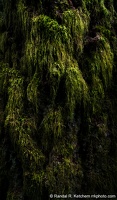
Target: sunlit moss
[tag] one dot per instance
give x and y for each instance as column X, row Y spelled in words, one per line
column 100, row 69
column 21, row 136
column 32, row 91
column 77, row 24
column 52, row 126
column 76, row 87
column 54, row 92
column 54, row 57
column 103, row 62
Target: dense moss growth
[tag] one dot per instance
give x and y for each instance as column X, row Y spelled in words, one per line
column 57, row 98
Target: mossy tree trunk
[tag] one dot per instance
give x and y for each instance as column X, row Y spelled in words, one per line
column 57, row 98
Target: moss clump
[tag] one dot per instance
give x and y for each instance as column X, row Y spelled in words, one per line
column 52, row 124
column 76, row 88
column 100, row 66
column 56, row 77
column 77, row 23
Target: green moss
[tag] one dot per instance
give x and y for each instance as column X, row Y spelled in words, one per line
column 51, row 127
column 50, row 27
column 77, row 25
column 61, row 167
column 54, row 95
column 100, row 66
column 76, row 88
column 103, row 60
column 63, row 171
column 32, row 91
column 54, row 59
column 100, row 11
column 23, row 16
column 21, row 136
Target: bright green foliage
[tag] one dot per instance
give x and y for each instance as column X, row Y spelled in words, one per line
column 54, row 58
column 57, row 117
column 76, row 88
column 32, row 91
column 77, row 23
column 100, row 66
column 52, row 124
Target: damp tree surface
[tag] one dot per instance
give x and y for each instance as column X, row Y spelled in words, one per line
column 58, row 98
